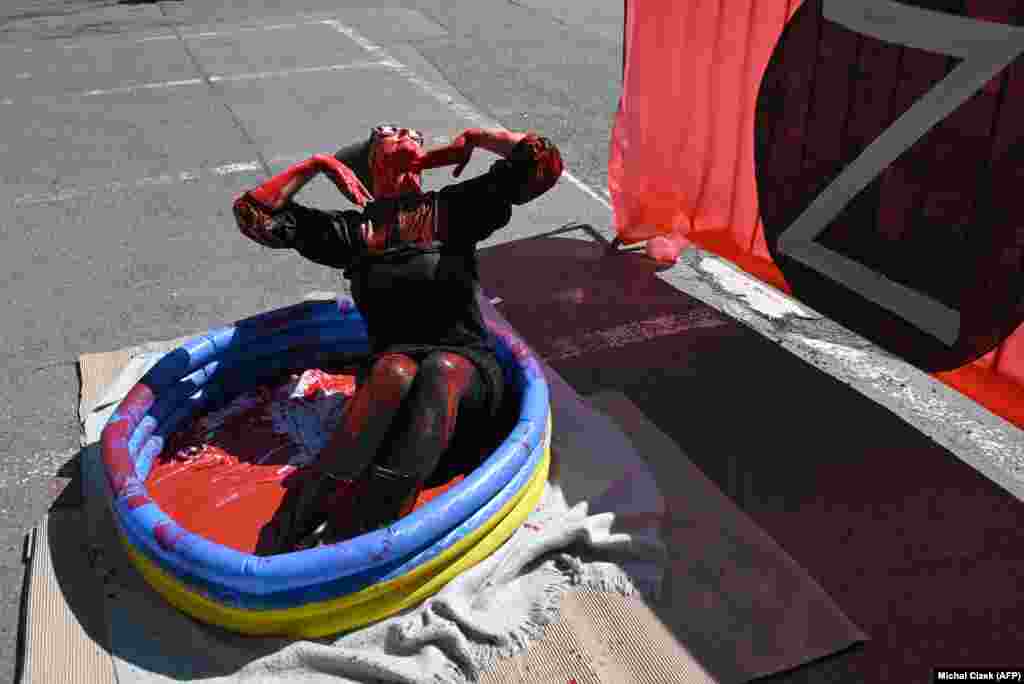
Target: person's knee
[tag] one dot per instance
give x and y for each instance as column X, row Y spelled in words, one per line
column 448, row 371
column 392, row 377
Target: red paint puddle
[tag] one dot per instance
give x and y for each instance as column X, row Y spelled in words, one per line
column 222, row 475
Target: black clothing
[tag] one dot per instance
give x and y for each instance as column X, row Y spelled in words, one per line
column 419, row 298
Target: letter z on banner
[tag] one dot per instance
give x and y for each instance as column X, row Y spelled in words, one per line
column 945, row 288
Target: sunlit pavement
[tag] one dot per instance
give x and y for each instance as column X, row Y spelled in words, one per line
column 127, row 129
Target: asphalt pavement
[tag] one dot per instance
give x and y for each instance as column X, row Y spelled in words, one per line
column 127, row 128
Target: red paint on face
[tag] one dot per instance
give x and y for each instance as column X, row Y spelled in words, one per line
column 390, row 160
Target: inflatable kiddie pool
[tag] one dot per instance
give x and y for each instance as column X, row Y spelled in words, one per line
column 332, row 588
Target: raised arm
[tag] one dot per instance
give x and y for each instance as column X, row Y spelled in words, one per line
column 470, row 211
column 275, row 193
column 267, row 214
column 458, row 152
column 496, row 140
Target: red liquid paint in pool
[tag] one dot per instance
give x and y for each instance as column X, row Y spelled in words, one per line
column 221, row 476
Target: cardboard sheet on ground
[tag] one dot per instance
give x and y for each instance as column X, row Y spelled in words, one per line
column 753, row 632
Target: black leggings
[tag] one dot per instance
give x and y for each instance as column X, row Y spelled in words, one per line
column 421, row 432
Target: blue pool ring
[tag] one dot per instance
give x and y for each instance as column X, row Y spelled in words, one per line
column 193, row 378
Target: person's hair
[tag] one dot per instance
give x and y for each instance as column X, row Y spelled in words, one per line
column 357, row 157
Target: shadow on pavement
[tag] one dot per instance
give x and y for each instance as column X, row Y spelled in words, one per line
column 913, row 544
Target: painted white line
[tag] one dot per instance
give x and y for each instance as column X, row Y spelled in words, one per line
column 272, row 27
column 302, row 70
column 1004, row 450
column 755, row 294
column 465, row 111
column 66, row 194
column 241, row 167
column 139, row 86
column 160, row 85
column 204, row 35
column 385, row 60
column 153, row 38
column 629, row 333
column 22, row 76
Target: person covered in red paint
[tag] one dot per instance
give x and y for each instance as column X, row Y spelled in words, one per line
column 410, row 257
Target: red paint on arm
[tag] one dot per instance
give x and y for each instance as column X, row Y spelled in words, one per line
column 497, row 140
column 344, row 179
column 275, row 193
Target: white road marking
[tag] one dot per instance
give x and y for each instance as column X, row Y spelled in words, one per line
column 1004, row 450
column 465, row 111
column 66, row 194
column 384, row 60
column 242, row 167
column 204, row 34
column 302, row 70
column 757, row 295
column 22, row 76
column 139, row 86
column 160, row 85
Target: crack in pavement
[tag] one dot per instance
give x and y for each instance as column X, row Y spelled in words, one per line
column 219, row 93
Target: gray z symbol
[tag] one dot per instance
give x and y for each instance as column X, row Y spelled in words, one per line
column 986, row 48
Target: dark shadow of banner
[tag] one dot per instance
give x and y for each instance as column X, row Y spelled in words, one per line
column 911, row 542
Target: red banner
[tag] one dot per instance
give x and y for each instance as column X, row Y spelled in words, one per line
column 682, row 156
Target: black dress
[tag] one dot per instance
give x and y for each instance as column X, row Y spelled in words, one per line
column 420, row 298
